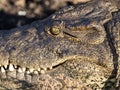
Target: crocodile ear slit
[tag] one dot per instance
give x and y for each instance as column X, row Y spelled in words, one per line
column 97, row 35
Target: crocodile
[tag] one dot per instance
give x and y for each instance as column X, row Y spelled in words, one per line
column 76, row 48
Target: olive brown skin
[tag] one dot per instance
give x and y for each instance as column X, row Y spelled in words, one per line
column 55, row 40
column 75, row 32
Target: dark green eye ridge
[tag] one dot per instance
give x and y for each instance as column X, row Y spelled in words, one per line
column 55, row 30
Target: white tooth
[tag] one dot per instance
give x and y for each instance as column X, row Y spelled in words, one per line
column 23, row 69
column 31, row 70
column 5, row 66
column 45, row 69
column 50, row 68
column 2, row 69
column 28, row 72
column 35, row 72
column 11, row 67
column 39, row 69
column 19, row 70
column 42, row 71
column 16, row 66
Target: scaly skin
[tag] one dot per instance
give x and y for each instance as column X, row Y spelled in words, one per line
column 77, row 42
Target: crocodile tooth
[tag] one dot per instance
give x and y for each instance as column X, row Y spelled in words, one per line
column 35, row 72
column 23, row 69
column 19, row 70
column 49, row 68
column 39, row 69
column 6, row 66
column 2, row 69
column 28, row 72
column 11, row 67
column 31, row 70
column 15, row 66
column 42, row 71
column 45, row 69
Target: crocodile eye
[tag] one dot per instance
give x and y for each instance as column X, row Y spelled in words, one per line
column 55, row 30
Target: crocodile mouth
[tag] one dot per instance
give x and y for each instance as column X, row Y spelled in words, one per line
column 20, row 69
column 15, row 71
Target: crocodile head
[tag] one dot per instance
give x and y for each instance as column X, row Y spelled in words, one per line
column 72, row 32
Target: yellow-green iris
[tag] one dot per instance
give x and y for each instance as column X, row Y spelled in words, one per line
column 55, row 30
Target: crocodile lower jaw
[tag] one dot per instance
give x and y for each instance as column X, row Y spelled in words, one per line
column 21, row 73
column 15, row 71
